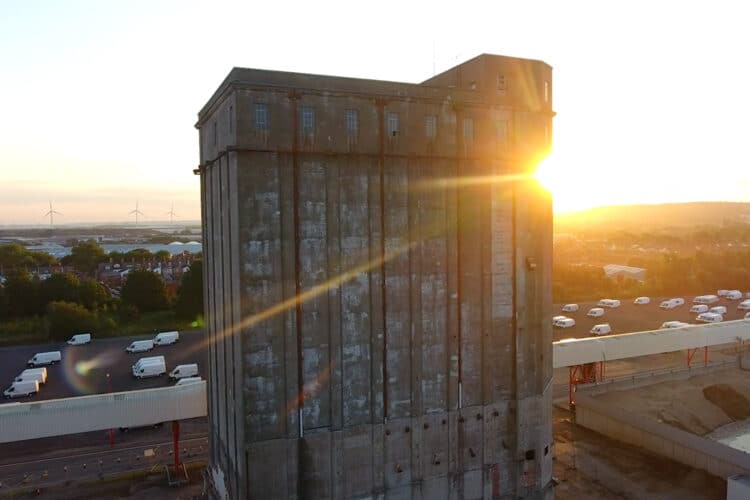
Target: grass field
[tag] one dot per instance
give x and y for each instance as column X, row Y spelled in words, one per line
column 33, row 330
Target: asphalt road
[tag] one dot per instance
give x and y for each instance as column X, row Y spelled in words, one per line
column 635, row 318
column 84, row 368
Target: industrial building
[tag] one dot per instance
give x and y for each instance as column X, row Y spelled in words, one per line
column 377, row 284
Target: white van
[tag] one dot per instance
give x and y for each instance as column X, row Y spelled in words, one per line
column 555, row 319
column 24, row 377
column 710, row 317
column 722, row 293
column 667, row 304
column 140, row 346
column 734, row 295
column 569, row 308
column 595, row 312
column 149, row 367
column 678, row 300
column 188, row 380
column 699, row 308
column 674, row 324
column 706, row 299
column 601, row 329
column 44, row 358
column 80, row 339
column 612, row 303
column 565, row 323
column 642, row 301
column 718, row 310
column 20, row 389
column 30, row 371
column 183, row 371
column 166, row 338
column 747, row 315
column 744, row 305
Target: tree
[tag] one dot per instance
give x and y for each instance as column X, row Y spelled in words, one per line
column 139, row 254
column 92, row 294
column 22, row 293
column 163, row 256
column 145, row 290
column 15, row 255
column 189, row 304
column 59, row 287
column 66, row 319
column 85, row 256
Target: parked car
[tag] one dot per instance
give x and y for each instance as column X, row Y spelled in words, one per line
column 166, row 338
column 140, row 346
column 744, row 305
column 709, row 317
column 149, row 367
column 699, row 308
column 706, row 299
column 747, row 315
column 41, row 371
column 555, row 319
column 674, row 324
column 642, row 300
column 570, row 308
column 28, row 375
column 80, row 339
column 44, row 358
column 183, row 371
column 21, row 389
column 565, row 323
column 718, row 310
column 595, row 312
column 733, row 295
column 601, row 329
column 667, row 304
column 611, row 303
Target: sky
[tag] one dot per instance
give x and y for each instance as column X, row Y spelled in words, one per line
column 99, row 99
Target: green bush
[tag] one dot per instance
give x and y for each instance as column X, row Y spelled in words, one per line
column 66, row 318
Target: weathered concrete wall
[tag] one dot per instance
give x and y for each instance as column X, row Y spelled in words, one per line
column 417, row 362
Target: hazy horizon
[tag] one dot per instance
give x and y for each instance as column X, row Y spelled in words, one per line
column 100, row 100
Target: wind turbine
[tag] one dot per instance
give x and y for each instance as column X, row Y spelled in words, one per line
column 136, row 212
column 171, row 215
column 51, row 213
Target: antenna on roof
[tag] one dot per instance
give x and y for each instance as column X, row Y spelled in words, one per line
column 171, row 214
column 51, row 213
column 136, row 212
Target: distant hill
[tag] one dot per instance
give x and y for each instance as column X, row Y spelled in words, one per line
column 652, row 217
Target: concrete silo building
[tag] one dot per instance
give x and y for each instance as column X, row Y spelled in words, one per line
column 417, row 361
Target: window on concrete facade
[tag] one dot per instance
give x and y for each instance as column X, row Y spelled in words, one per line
column 308, row 120
column 501, row 83
column 261, row 116
column 468, row 130
column 430, row 126
column 215, row 134
column 392, row 124
column 231, row 117
column 546, row 91
column 351, row 122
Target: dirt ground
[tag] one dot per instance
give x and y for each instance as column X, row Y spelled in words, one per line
column 698, row 405
column 590, row 466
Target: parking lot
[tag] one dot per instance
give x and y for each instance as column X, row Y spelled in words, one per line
column 631, row 317
column 84, row 368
